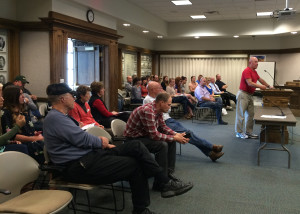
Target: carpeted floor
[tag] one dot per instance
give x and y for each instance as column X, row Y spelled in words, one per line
column 233, row 184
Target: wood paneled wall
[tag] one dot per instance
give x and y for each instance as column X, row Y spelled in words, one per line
column 62, row 27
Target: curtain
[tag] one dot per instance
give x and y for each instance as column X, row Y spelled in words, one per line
column 230, row 68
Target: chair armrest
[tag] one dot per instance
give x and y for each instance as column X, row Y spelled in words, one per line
column 5, row 191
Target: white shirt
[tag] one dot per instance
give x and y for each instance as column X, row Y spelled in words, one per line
column 149, row 99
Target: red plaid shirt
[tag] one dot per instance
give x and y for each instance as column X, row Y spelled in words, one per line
column 146, row 121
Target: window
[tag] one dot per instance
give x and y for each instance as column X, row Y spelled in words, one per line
column 84, row 62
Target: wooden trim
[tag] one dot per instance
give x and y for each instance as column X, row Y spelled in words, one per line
column 33, row 26
column 62, row 27
column 138, row 64
column 124, row 47
column 13, row 54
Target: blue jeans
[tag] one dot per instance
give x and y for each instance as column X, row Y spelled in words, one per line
column 203, row 145
column 217, row 106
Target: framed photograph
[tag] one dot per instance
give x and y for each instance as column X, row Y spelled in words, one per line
column 3, row 77
column 3, row 43
column 261, row 58
column 3, row 62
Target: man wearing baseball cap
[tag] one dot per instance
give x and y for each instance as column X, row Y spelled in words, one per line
column 21, row 81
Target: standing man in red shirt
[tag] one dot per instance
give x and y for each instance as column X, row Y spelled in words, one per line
column 244, row 105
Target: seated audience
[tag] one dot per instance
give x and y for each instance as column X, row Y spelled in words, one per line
column 165, row 82
column 14, row 106
column 99, row 109
column 144, row 87
column 82, row 111
column 224, row 95
column 156, row 78
column 147, row 125
column 223, row 87
column 199, row 78
column 128, row 86
column 188, row 107
column 206, row 100
column 210, row 150
column 92, row 160
column 193, row 85
column 181, row 89
column 6, row 140
column 136, row 91
column 217, row 97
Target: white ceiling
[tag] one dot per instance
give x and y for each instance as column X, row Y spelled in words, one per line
column 213, row 9
column 233, row 12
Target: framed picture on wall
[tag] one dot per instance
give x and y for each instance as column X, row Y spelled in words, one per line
column 261, row 58
column 3, row 43
column 3, row 77
column 3, row 62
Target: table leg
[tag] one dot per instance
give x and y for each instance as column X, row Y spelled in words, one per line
column 283, row 146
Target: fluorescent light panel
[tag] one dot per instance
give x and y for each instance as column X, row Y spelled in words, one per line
column 264, row 13
column 294, row 32
column 160, row 37
column 186, row 2
column 126, row 24
column 198, row 17
column 145, row 31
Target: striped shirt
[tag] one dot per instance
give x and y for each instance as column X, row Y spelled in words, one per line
column 145, row 121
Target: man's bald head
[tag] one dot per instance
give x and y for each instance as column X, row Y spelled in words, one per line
column 253, row 63
column 154, row 88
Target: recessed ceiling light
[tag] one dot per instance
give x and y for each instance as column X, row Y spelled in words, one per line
column 198, row 17
column 126, row 24
column 264, row 13
column 196, row 37
column 236, row 36
column 184, row 2
column 145, row 31
column 294, row 32
column 160, row 37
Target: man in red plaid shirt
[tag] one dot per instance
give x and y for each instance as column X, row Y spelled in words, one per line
column 147, row 125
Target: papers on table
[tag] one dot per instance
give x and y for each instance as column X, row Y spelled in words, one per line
column 273, row 116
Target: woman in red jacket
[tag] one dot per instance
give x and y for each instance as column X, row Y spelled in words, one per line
column 99, row 109
column 82, row 111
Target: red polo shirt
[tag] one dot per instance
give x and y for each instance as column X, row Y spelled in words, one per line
column 248, row 73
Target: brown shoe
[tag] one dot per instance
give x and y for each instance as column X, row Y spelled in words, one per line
column 217, row 148
column 215, row 155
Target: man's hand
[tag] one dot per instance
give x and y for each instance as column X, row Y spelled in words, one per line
column 38, row 137
column 179, row 137
column 33, row 97
column 114, row 112
column 20, row 120
column 102, row 127
column 105, row 143
column 263, row 87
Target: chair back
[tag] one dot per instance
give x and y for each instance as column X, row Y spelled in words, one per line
column 97, row 131
column 17, row 170
column 118, row 127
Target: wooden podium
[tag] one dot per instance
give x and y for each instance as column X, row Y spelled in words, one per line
column 295, row 96
column 280, row 99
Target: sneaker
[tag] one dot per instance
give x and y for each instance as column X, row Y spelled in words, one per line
column 173, row 177
column 145, row 211
column 228, row 108
column 224, row 112
column 173, row 188
column 252, row 136
column 241, row 135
